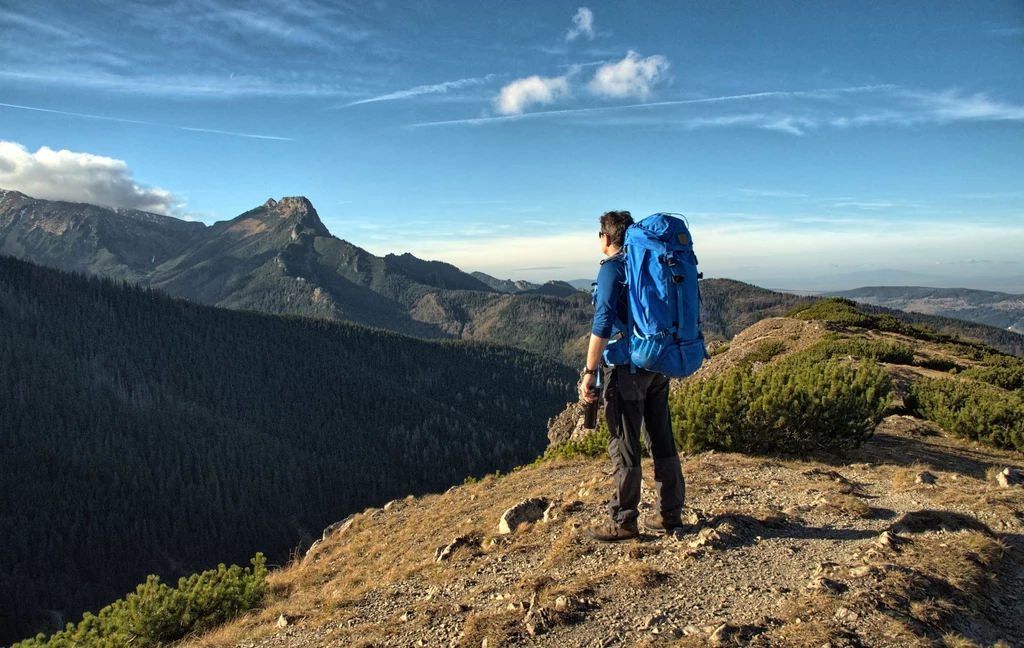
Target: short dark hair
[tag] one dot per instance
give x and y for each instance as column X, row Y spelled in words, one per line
column 614, row 224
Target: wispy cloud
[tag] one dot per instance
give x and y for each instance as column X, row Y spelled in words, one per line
column 227, row 86
column 598, row 110
column 630, row 77
column 1007, row 32
column 79, row 177
column 435, row 88
column 790, row 112
column 189, row 48
column 583, row 25
column 146, row 123
column 772, row 193
column 865, row 205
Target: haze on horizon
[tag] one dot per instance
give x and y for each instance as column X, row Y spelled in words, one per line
column 822, row 140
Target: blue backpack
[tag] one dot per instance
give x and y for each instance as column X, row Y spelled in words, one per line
column 664, row 299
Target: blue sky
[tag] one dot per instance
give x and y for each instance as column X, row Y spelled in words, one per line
column 800, row 138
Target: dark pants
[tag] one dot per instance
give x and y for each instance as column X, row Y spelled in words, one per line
column 635, row 404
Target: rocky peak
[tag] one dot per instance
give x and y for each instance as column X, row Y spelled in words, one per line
column 298, row 212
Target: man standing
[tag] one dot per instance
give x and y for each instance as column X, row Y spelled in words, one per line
column 632, row 397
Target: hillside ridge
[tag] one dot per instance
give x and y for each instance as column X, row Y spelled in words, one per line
column 908, row 540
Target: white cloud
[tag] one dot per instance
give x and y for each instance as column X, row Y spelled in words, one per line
column 532, row 90
column 584, row 25
column 630, row 77
column 78, row 177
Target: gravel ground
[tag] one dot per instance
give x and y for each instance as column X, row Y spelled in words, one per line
column 778, row 552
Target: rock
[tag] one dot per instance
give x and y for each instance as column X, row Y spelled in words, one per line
column 822, row 584
column 338, row 527
column 1009, row 477
column 284, row 621
column 706, row 537
column 861, row 571
column 846, row 615
column 445, row 552
column 311, row 552
column 392, row 504
column 888, row 539
column 530, row 510
column 691, row 630
column 720, row 635
column 551, row 512
column 535, row 622
column 405, row 617
column 925, row 478
column 562, row 603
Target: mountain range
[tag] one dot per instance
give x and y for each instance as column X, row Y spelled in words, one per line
column 279, row 258
column 969, row 274
column 1002, row 310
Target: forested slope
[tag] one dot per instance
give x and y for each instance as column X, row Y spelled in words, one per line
column 145, row 434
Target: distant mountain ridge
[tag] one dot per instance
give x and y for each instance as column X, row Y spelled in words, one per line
column 280, row 258
column 1002, row 310
column 504, row 285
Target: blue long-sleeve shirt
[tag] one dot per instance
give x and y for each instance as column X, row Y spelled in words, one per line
column 610, row 300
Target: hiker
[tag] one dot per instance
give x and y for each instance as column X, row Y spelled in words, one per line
column 632, row 396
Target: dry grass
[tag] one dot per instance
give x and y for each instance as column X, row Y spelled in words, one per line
column 637, row 575
column 904, row 479
column 499, row 629
column 846, row 505
column 953, row 640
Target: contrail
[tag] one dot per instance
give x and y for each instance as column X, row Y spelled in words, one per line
column 146, row 123
column 681, row 102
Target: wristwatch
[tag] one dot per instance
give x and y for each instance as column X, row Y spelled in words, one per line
column 587, row 371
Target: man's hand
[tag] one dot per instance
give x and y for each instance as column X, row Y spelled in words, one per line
column 588, row 393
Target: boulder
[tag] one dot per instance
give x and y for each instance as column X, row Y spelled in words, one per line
column 1009, row 477
column 445, row 552
column 530, row 510
column 339, row 527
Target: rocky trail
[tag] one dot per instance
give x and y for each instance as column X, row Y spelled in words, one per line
column 909, row 541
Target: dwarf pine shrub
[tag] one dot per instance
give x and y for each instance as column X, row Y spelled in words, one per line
column 593, row 444
column 797, row 406
column 845, row 313
column 156, row 614
column 876, row 350
column 971, row 410
column 763, row 352
column 999, row 370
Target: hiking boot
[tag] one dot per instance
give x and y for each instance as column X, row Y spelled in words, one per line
column 609, row 532
column 655, row 523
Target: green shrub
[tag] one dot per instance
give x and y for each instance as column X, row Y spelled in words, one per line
column 876, row 350
column 593, row 444
column 999, row 370
column 797, row 406
column 156, row 614
column 970, row 410
column 940, row 364
column 833, row 309
column 721, row 348
column 763, row 352
column 845, row 313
